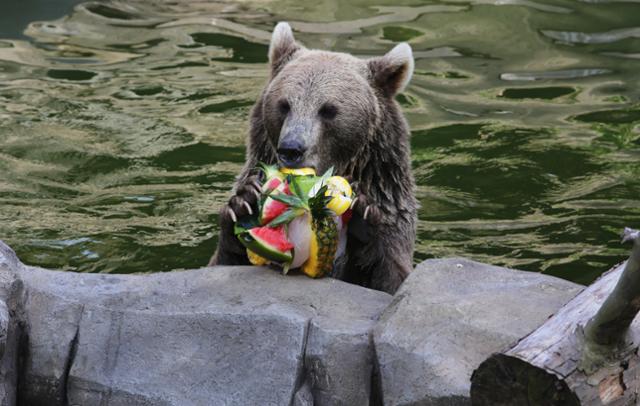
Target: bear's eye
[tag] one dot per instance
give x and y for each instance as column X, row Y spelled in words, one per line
column 328, row 111
column 284, row 107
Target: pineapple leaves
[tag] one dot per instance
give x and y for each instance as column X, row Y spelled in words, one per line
column 326, row 175
column 285, row 268
column 289, row 200
column 307, row 195
column 295, row 185
column 285, row 217
column 322, row 181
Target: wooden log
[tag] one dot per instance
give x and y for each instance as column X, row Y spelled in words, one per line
column 586, row 354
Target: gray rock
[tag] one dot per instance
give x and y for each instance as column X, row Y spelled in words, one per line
column 339, row 361
column 247, row 335
column 10, row 332
column 226, row 336
column 8, row 259
column 7, row 361
column 52, row 325
column 181, row 359
column 303, row 396
column 447, row 317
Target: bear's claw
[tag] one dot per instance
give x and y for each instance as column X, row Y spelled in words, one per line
column 353, row 202
column 232, row 214
column 248, row 208
column 369, row 212
column 245, row 200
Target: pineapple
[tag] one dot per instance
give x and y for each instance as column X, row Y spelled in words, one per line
column 324, row 244
column 324, row 230
column 256, row 259
column 324, row 239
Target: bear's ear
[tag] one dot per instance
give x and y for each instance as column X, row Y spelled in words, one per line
column 392, row 72
column 282, row 47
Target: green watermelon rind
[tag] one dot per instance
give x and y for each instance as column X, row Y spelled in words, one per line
column 261, row 248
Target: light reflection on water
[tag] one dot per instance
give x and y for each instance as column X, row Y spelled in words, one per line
column 123, row 126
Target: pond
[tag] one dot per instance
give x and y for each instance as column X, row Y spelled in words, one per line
column 122, row 125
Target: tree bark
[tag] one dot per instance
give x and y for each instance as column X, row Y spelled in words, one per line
column 586, row 354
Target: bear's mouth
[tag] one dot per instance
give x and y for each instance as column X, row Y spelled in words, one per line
column 294, row 165
column 299, row 163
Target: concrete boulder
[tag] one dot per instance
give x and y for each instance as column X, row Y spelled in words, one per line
column 248, row 335
column 227, row 335
column 447, row 317
column 10, row 332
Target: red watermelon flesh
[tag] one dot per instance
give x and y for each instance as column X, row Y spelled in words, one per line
column 271, row 184
column 276, row 237
column 272, row 208
column 269, row 243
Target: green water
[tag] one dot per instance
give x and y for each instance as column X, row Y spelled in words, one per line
column 122, row 125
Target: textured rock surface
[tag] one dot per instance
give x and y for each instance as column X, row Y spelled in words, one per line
column 448, row 316
column 209, row 336
column 246, row 335
column 10, row 331
column 52, row 326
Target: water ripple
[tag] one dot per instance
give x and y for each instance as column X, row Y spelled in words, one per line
column 553, row 75
column 124, row 126
column 594, row 38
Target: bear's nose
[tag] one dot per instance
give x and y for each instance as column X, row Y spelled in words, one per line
column 290, row 152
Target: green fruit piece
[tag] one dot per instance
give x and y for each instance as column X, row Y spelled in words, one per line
column 303, row 183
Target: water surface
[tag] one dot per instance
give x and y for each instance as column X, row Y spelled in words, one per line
column 122, row 125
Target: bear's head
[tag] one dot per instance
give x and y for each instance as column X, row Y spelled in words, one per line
column 320, row 108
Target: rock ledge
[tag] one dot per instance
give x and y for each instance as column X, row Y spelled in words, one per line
column 247, row 335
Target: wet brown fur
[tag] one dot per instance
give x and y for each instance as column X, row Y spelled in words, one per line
column 368, row 142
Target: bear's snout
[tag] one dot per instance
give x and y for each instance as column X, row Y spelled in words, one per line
column 290, row 153
column 292, row 144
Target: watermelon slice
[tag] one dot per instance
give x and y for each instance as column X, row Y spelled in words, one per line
column 269, row 243
column 272, row 208
column 271, row 184
column 273, row 177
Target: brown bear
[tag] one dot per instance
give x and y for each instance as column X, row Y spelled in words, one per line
column 321, row 109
